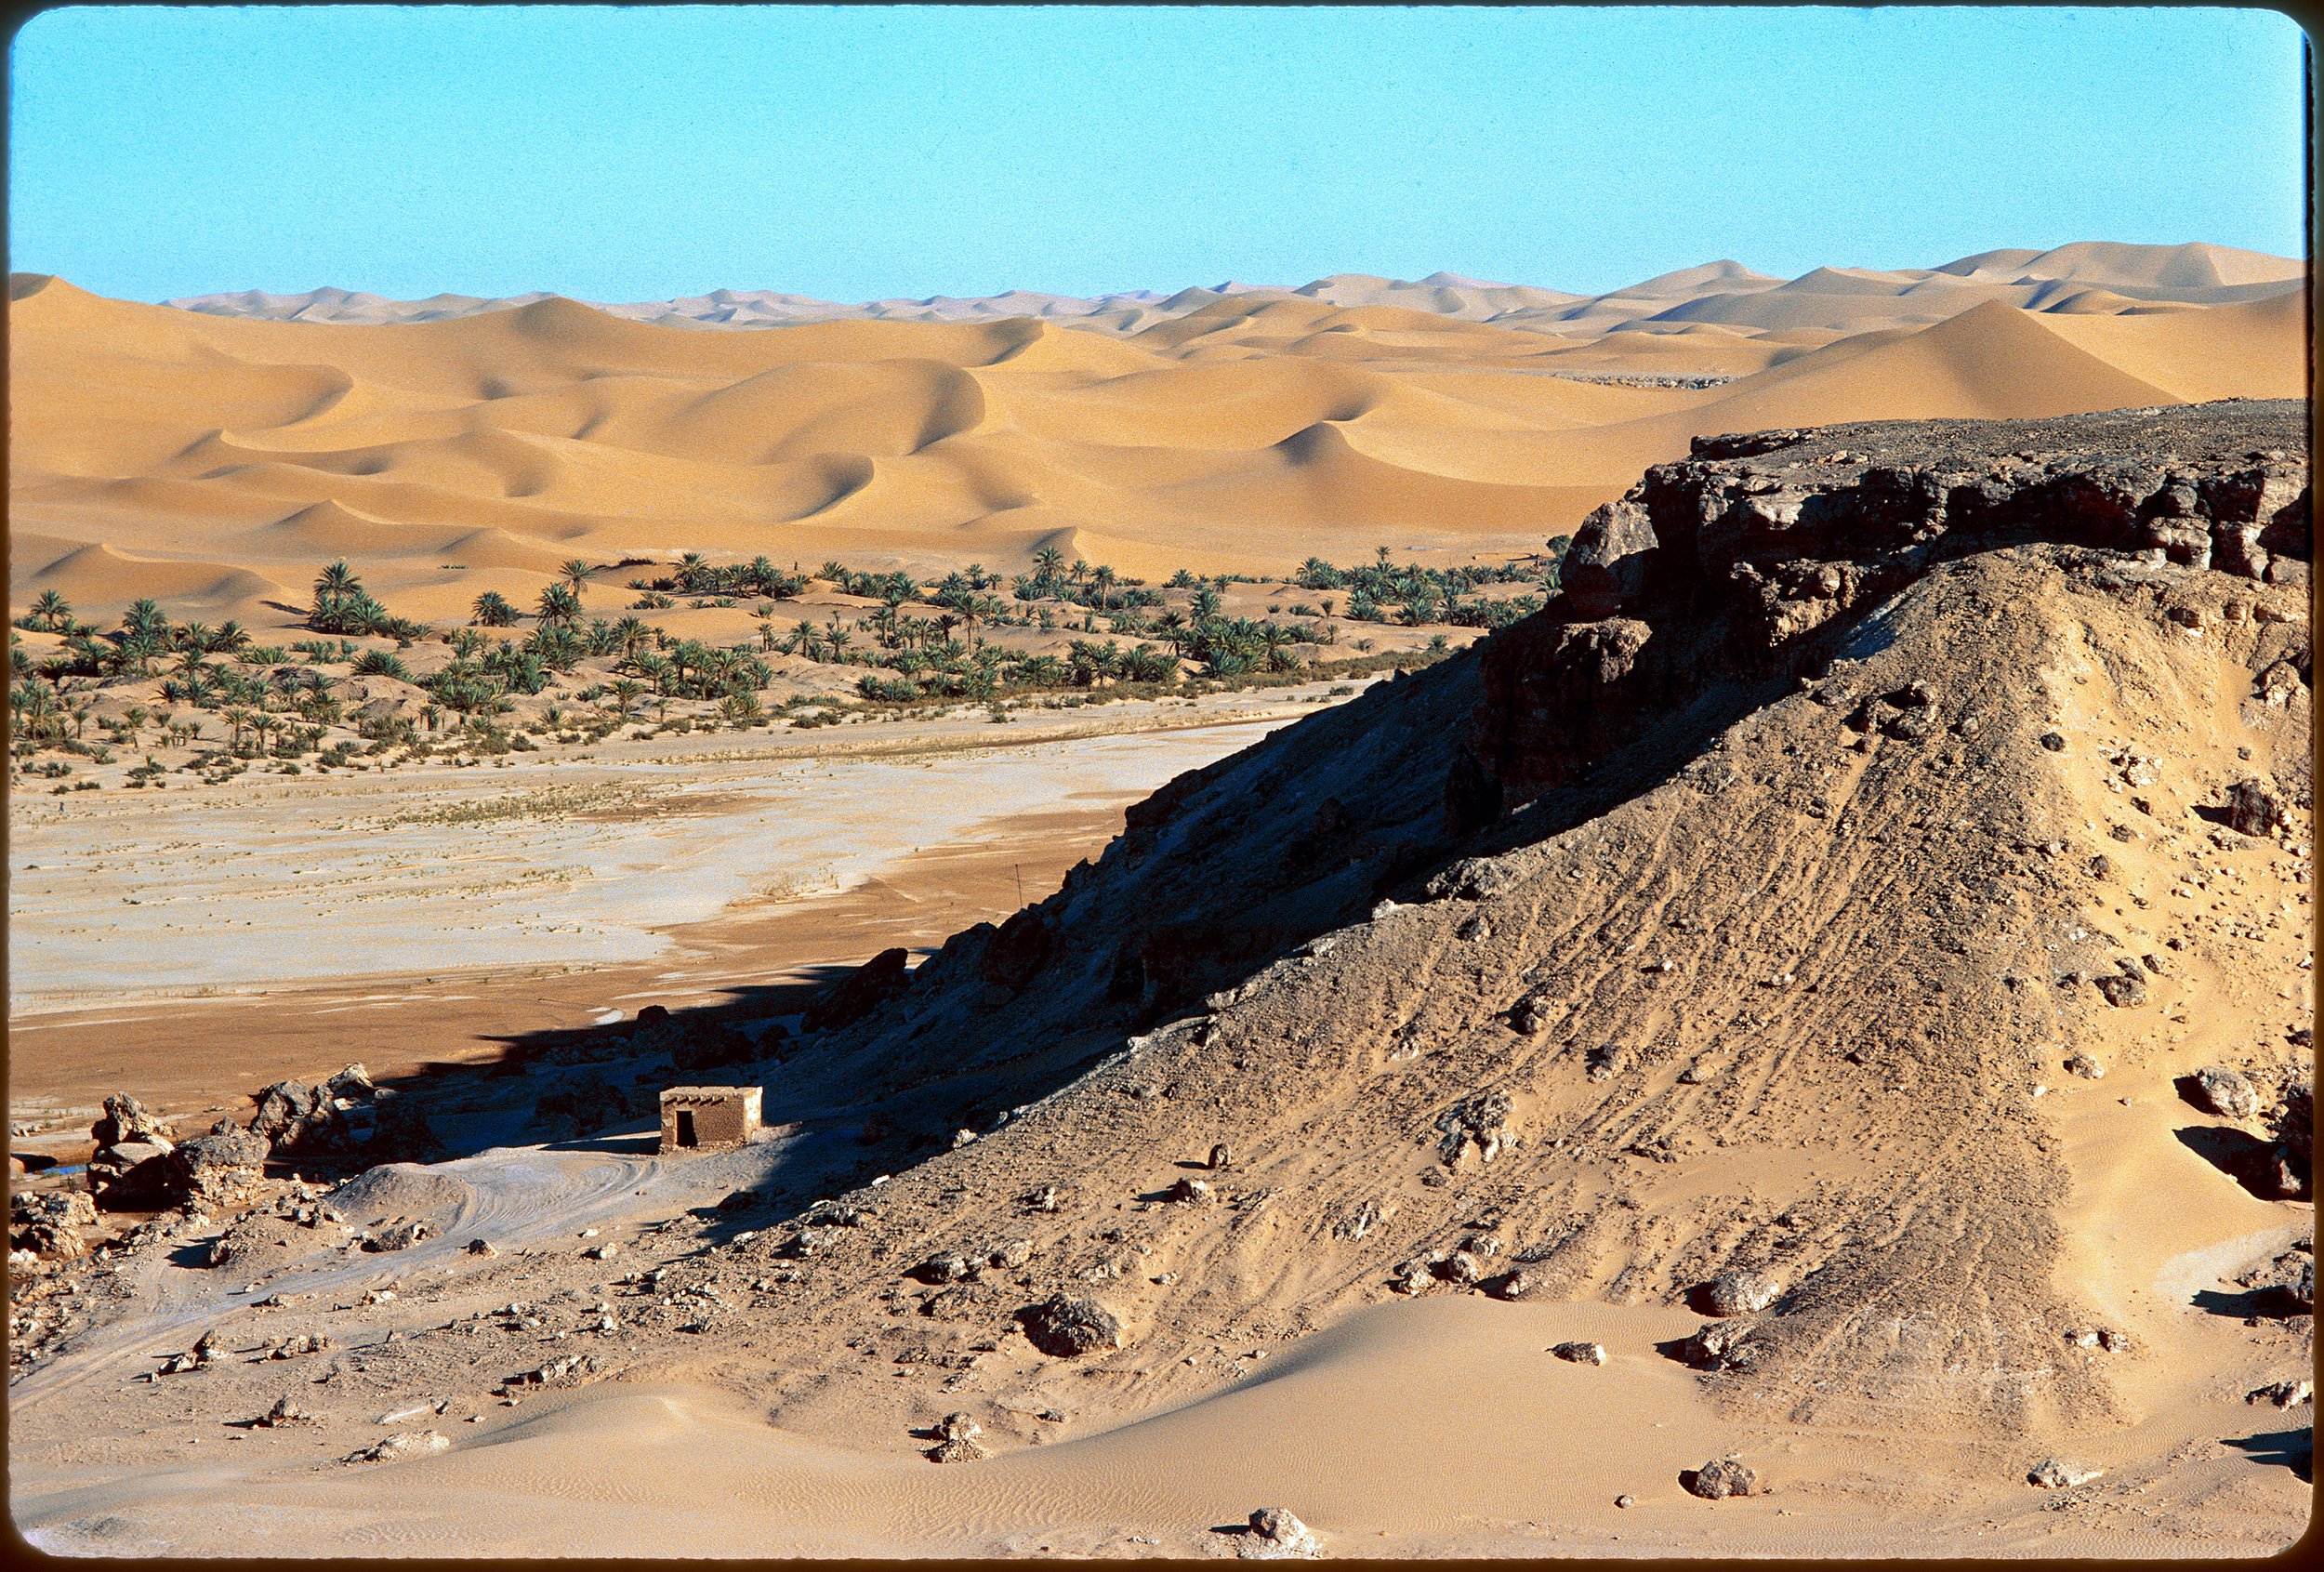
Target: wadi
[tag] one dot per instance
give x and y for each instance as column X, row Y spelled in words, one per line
column 1382, row 918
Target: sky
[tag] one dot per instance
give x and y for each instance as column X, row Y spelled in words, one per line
column 643, row 153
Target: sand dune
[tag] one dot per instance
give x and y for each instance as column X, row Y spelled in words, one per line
column 1238, row 429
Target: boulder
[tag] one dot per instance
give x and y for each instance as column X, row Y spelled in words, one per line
column 2125, row 986
column 1720, row 1478
column 1221, row 1157
column 1581, row 1353
column 1066, row 1329
column 1727, row 1346
column 127, row 1120
column 2226, row 1093
column 48, row 1223
column 215, row 1169
column 2254, row 808
column 2056, row 1473
column 957, row 1441
column 1740, row 1293
column 1275, row 1534
column 285, row 1412
column 1191, row 1191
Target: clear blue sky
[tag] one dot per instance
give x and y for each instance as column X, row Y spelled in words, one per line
column 637, row 154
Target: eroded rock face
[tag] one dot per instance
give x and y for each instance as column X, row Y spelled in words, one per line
column 861, row 991
column 1749, row 559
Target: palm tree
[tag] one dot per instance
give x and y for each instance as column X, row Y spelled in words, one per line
column 560, row 607
column 1046, row 562
column 493, row 610
column 632, row 632
column 625, row 693
column 51, row 610
column 231, row 638
column 1104, row 578
column 575, row 576
column 1079, row 571
column 766, row 625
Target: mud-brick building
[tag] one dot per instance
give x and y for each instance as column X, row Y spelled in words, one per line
column 698, row 1116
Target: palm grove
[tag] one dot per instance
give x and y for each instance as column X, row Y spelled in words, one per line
column 919, row 644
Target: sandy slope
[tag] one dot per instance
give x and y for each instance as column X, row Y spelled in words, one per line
column 215, row 460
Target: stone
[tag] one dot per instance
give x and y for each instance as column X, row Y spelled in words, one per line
column 1221, row 1157
column 1581, row 1353
column 957, row 1441
column 1528, row 1019
column 1720, row 1478
column 293, row 1347
column 1274, row 1533
column 1010, row 1256
column 2254, row 808
column 1740, row 1293
column 481, row 1247
column 285, row 1412
column 1067, row 1328
column 2056, row 1473
column 1723, row 1346
column 2226, row 1093
column 2051, row 741
column 2123, row 988
column 2082, row 1064
column 396, row 1448
column 1188, row 1192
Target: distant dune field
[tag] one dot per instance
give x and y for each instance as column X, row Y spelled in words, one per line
column 214, row 452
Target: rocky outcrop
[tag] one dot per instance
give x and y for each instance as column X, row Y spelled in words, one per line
column 1751, row 558
column 861, row 991
column 342, row 1114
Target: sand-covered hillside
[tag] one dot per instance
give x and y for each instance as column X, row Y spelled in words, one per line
column 215, row 461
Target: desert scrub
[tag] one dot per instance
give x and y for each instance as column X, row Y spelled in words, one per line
column 549, row 803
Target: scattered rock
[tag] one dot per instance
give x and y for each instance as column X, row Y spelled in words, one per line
column 1581, row 1353
column 2056, row 1474
column 1528, row 1018
column 285, row 1412
column 1066, row 1329
column 1221, row 1157
column 481, row 1247
column 1623, row 1501
column 1188, row 1192
column 293, row 1347
column 2051, row 741
column 2082, row 1064
column 2283, row 1394
column 1717, row 1480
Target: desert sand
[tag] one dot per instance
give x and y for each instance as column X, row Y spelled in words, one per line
column 215, row 461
